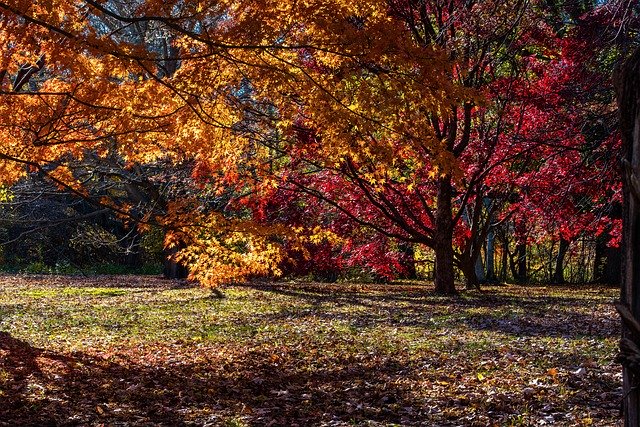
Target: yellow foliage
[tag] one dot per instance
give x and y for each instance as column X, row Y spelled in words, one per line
column 249, row 74
column 5, row 194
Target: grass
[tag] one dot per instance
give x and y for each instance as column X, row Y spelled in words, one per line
column 142, row 351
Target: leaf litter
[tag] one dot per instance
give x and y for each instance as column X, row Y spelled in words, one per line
column 144, row 351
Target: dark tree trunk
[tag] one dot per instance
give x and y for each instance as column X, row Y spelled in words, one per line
column 471, row 279
column 628, row 87
column 443, row 276
column 558, row 272
column 479, row 267
column 505, row 260
column 408, row 260
column 443, row 241
column 171, row 268
column 519, row 268
column 490, row 277
column 608, row 259
column 607, row 262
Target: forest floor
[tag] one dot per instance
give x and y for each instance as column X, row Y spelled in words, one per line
column 133, row 350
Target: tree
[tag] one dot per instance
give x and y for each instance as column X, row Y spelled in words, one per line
column 200, row 109
column 526, row 130
column 628, row 97
column 415, row 120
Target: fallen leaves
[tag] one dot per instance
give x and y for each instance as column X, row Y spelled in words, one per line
column 303, row 354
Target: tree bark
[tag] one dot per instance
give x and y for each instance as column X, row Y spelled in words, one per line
column 443, row 240
column 479, row 268
column 607, row 262
column 443, row 274
column 627, row 81
column 171, row 268
column 608, row 258
column 521, row 263
column 469, row 269
column 558, row 272
column 505, row 260
column 490, row 277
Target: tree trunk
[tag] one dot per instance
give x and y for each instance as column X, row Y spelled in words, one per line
column 171, row 268
column 443, row 240
column 607, row 262
column 469, row 270
column 558, row 273
column 628, row 87
column 520, row 271
column 408, row 260
column 443, row 274
column 479, row 268
column 490, row 277
column 505, row 260
column 607, row 258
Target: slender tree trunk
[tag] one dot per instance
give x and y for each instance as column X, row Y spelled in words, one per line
column 505, row 260
column 479, row 267
column 491, row 251
column 558, row 273
column 443, row 240
column 628, row 87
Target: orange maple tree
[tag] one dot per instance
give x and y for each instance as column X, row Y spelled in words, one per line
column 225, row 83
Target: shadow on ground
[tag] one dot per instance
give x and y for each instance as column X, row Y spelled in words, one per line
column 42, row 388
column 401, row 306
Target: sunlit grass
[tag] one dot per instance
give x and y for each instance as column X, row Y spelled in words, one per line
column 467, row 358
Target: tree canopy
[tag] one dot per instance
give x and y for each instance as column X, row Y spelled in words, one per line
column 425, row 122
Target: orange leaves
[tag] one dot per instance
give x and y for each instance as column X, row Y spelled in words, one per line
column 351, row 69
column 10, row 172
column 228, row 83
column 63, row 176
column 221, row 250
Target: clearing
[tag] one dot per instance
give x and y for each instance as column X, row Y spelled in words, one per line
column 133, row 350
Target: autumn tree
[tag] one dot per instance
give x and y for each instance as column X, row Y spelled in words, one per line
column 416, row 197
column 197, row 110
column 521, row 131
column 416, row 120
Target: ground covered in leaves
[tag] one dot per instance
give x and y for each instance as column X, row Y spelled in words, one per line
column 143, row 351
